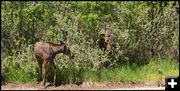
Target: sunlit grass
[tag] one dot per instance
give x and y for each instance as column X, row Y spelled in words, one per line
column 156, row 70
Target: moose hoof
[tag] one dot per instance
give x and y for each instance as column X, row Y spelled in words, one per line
column 43, row 84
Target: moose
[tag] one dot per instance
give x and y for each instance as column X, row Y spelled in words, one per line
column 104, row 41
column 45, row 53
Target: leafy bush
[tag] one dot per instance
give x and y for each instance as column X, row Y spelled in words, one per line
column 140, row 31
column 20, row 67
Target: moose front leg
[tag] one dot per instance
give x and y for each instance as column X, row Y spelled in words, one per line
column 55, row 73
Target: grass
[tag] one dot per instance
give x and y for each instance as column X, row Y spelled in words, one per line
column 19, row 76
column 156, row 70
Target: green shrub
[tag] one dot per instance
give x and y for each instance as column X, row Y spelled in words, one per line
column 141, row 31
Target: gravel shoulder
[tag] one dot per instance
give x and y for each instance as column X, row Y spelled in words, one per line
column 85, row 86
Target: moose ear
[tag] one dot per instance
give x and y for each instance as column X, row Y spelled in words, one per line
column 62, row 42
column 102, row 35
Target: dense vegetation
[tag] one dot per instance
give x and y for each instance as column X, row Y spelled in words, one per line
column 144, row 35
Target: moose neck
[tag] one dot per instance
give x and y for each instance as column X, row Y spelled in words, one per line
column 58, row 49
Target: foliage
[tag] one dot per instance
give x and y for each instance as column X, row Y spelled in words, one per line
column 140, row 31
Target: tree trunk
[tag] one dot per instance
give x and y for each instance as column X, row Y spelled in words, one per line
column 21, row 18
column 12, row 16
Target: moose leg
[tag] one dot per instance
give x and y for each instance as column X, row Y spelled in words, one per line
column 40, row 70
column 44, row 73
column 40, row 67
column 55, row 73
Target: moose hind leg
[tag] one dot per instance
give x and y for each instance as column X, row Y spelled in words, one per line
column 44, row 73
column 55, row 73
column 40, row 71
column 40, row 68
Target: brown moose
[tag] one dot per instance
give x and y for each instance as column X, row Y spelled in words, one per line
column 45, row 53
column 104, row 43
column 104, row 40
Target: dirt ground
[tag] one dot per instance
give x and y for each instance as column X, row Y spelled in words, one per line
column 83, row 86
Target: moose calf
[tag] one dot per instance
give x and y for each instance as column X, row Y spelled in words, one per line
column 45, row 54
column 104, row 43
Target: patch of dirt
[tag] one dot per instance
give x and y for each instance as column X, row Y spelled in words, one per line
column 83, row 86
